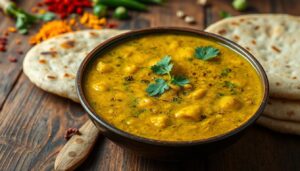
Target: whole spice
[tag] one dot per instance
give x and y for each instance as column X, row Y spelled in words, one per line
column 49, row 30
column 180, row 14
column 92, row 21
column 66, row 7
column 70, row 132
column 12, row 59
column 189, row 19
column 3, row 41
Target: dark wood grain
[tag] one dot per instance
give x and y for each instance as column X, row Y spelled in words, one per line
column 33, row 122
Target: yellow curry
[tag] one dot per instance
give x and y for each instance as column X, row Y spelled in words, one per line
column 173, row 87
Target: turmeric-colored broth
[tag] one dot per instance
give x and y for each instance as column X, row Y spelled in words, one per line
column 222, row 93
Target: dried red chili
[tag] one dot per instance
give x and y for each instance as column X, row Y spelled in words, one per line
column 66, row 7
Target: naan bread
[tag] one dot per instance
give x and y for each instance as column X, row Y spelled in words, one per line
column 280, row 125
column 52, row 65
column 282, row 109
column 274, row 40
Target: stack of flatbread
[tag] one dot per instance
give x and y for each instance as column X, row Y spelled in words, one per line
column 274, row 40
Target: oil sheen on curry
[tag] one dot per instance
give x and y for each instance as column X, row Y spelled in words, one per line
column 173, row 87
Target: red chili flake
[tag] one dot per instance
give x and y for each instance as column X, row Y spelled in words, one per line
column 70, row 132
column 112, row 25
column 12, row 59
column 66, row 7
column 2, row 49
column 3, row 41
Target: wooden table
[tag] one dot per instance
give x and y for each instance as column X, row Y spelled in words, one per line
column 33, row 122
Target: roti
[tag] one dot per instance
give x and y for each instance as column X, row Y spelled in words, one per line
column 282, row 109
column 280, row 125
column 273, row 40
column 52, row 65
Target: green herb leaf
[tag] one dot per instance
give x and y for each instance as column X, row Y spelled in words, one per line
column 157, row 88
column 163, row 66
column 224, row 14
column 179, row 80
column 47, row 16
column 229, row 84
column 225, row 72
column 206, row 53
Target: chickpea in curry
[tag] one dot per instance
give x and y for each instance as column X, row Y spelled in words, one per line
column 216, row 91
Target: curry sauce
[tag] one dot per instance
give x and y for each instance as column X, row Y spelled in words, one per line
column 221, row 94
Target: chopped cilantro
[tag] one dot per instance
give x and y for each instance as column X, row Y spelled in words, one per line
column 229, row 84
column 179, row 80
column 206, row 52
column 157, row 88
column 225, row 72
column 163, row 66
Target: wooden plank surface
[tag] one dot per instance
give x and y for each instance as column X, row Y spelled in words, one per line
column 33, row 122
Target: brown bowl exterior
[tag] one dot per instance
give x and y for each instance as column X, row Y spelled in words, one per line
column 167, row 150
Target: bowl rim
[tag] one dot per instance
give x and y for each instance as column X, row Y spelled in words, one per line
column 116, row 40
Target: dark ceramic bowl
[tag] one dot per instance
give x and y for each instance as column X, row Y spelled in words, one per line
column 167, row 150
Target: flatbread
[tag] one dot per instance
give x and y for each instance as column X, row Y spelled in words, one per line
column 274, row 40
column 282, row 109
column 52, row 65
column 279, row 125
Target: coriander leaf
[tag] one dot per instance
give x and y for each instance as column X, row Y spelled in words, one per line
column 229, row 84
column 225, row 72
column 224, row 14
column 179, row 80
column 206, row 52
column 163, row 66
column 157, row 88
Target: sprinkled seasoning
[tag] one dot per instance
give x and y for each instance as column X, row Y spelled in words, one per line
column 49, row 30
column 66, row 7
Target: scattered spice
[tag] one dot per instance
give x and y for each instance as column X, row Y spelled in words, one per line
column 189, row 19
column 180, row 14
column 70, row 132
column 18, row 41
column 66, row 7
column 20, row 52
column 49, row 30
column 12, row 59
column 3, row 41
column 91, row 21
column 12, row 29
column 112, row 25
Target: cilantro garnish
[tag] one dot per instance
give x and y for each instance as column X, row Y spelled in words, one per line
column 225, row 72
column 179, row 80
column 157, row 88
column 164, row 66
column 206, row 52
column 229, row 84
